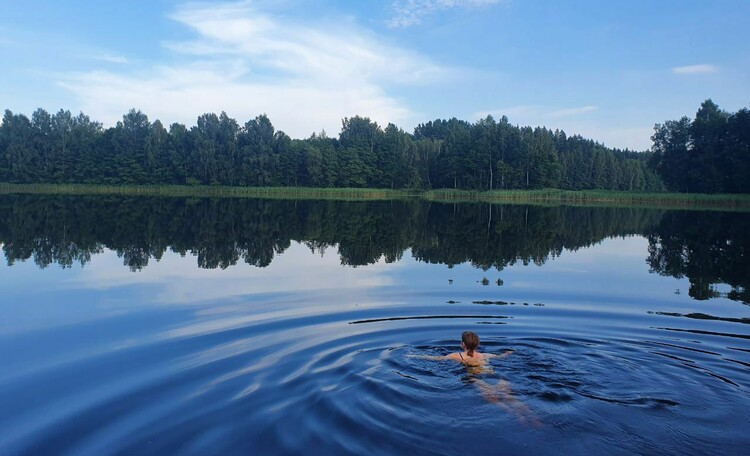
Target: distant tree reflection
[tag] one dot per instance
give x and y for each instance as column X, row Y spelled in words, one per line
column 708, row 248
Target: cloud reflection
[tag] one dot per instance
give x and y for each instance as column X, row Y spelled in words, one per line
column 179, row 280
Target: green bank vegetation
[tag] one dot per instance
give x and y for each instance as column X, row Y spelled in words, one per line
column 600, row 198
column 551, row 197
column 206, row 191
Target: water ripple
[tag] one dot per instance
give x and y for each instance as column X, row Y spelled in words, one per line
column 342, row 381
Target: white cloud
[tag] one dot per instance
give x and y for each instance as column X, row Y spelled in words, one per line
column 523, row 111
column 703, row 68
column 410, row 12
column 531, row 113
column 246, row 62
column 633, row 138
column 568, row 112
column 575, row 122
column 110, row 58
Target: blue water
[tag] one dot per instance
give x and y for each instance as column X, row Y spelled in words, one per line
column 309, row 356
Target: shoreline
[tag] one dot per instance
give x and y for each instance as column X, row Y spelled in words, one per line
column 549, row 197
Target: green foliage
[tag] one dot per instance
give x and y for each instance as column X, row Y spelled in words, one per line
column 710, row 154
column 218, row 151
column 543, row 197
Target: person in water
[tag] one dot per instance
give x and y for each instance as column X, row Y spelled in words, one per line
column 500, row 393
column 470, row 356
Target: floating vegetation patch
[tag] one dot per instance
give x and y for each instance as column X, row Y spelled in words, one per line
column 702, row 316
column 497, row 303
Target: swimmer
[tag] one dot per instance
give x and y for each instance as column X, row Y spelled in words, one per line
column 470, row 356
column 501, row 393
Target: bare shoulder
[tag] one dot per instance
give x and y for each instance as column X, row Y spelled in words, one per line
column 454, row 357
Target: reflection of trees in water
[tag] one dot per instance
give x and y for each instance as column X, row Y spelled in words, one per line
column 219, row 232
column 223, row 232
column 708, row 248
column 498, row 236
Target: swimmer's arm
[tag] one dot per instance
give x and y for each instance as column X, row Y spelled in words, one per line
column 501, row 355
column 431, row 357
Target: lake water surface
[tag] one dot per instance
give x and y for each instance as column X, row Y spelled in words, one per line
column 241, row 326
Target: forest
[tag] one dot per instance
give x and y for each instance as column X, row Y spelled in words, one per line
column 454, row 154
column 710, row 154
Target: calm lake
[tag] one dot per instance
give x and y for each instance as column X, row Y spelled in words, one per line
column 240, row 326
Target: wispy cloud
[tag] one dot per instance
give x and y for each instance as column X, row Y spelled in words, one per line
column 527, row 112
column 703, row 68
column 248, row 62
column 110, row 58
column 569, row 112
column 576, row 121
column 510, row 112
column 410, row 12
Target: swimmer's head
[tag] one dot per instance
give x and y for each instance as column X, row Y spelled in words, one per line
column 470, row 342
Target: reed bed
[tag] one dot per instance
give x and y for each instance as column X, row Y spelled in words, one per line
column 551, row 197
column 207, row 191
column 556, row 197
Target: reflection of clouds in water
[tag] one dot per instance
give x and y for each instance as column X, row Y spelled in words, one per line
column 600, row 258
column 180, row 280
column 628, row 247
column 567, row 269
column 612, row 270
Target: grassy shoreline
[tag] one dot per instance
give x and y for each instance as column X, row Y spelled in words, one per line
column 207, row 191
column 555, row 197
column 551, row 197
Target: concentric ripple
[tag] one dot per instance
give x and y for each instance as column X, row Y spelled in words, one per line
column 336, row 371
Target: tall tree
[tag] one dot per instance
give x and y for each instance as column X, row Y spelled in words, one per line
column 671, row 155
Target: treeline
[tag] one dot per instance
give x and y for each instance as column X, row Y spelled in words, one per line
column 710, row 154
column 485, row 155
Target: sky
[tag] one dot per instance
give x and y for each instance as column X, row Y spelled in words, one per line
column 607, row 70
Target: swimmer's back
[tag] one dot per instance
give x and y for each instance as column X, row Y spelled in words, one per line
column 476, row 360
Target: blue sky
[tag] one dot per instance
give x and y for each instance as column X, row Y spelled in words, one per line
column 607, row 70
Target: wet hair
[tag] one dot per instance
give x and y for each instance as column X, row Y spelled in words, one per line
column 471, row 342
